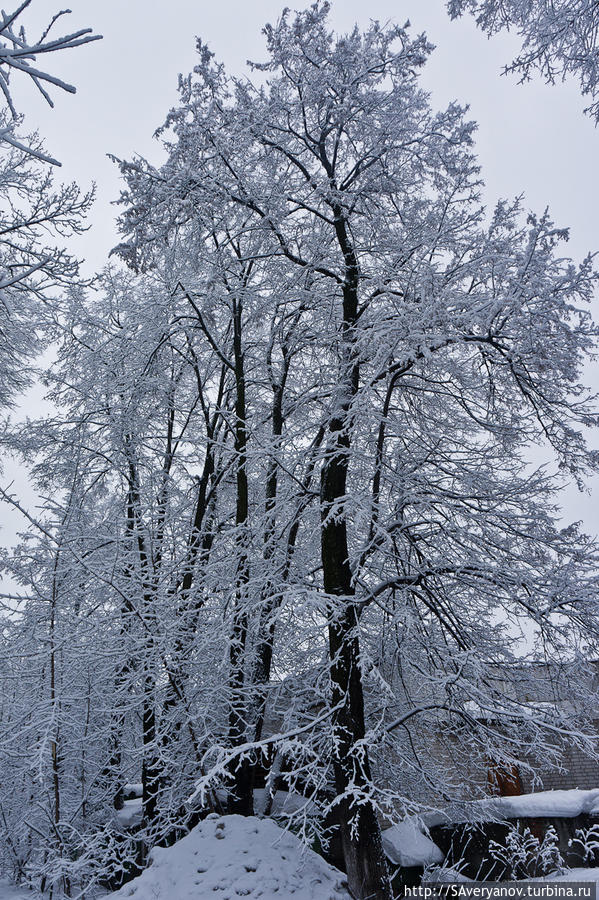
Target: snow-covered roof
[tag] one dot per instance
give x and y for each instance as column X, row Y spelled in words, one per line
column 543, row 804
column 130, row 814
column 283, row 803
column 406, row 844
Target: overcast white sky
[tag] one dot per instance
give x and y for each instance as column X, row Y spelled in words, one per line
column 532, row 139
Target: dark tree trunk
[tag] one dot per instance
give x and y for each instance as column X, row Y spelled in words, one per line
column 150, row 771
column 365, row 863
column 199, row 544
column 242, row 799
column 271, row 596
column 367, row 872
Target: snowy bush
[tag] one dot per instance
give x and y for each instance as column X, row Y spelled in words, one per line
column 523, row 855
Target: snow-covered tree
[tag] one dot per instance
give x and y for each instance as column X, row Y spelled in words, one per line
column 18, row 56
column 558, row 38
column 444, row 343
column 35, row 216
column 288, row 487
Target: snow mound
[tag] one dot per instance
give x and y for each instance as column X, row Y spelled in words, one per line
column 231, row 857
column 406, row 844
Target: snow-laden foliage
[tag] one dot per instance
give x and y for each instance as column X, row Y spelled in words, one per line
column 524, row 855
column 585, row 844
column 559, row 38
column 19, row 57
column 290, row 536
column 35, row 215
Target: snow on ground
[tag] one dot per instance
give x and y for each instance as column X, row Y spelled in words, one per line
column 10, row 892
column 235, row 857
column 575, row 875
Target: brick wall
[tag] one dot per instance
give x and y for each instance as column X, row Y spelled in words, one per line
column 580, row 771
